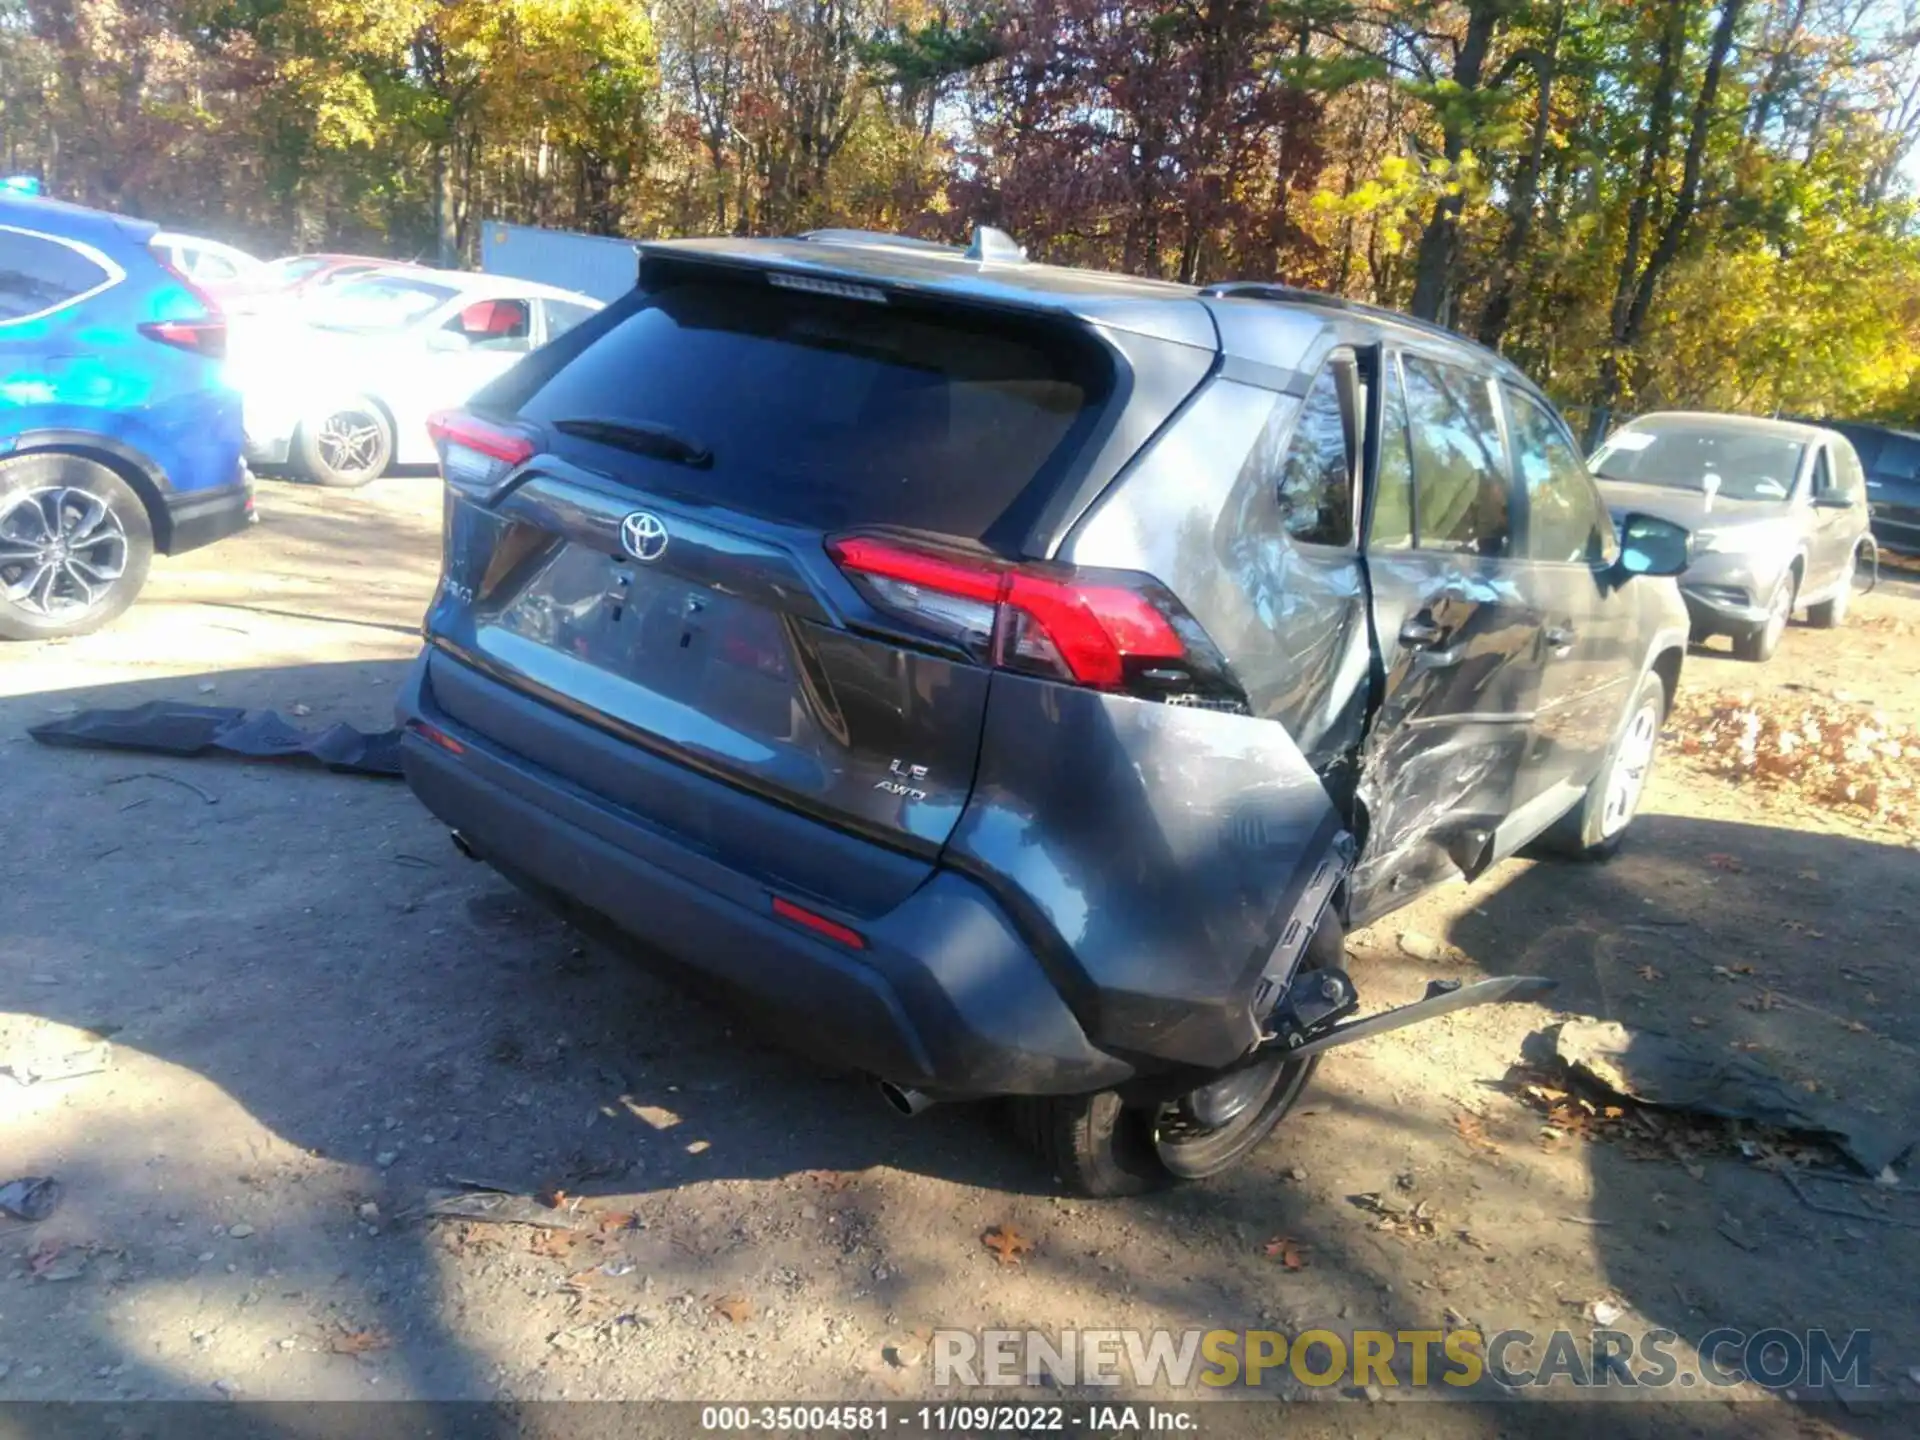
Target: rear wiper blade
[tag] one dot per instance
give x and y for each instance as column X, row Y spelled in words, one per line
column 643, row 437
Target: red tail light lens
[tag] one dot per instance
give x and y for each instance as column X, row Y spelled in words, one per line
column 1102, row 629
column 477, row 454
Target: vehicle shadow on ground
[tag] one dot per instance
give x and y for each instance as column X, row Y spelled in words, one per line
column 1789, row 947
column 311, row 950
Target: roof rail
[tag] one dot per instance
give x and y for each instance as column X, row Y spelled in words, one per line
column 878, row 239
column 1292, row 295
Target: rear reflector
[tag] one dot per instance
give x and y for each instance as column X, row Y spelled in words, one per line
column 819, row 924
column 434, row 735
column 476, row 454
column 1104, row 629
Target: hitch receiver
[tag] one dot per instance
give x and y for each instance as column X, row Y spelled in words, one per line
column 1443, row 997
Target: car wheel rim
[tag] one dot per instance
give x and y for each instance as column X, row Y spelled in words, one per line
column 1781, row 613
column 349, row 441
column 62, row 551
column 1193, row 1149
column 1628, row 777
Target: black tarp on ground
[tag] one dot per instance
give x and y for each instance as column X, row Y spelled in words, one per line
column 166, row 727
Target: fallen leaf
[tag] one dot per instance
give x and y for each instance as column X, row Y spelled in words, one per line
column 1746, row 1044
column 1293, row 1256
column 1729, row 863
column 1473, row 1130
column 1765, row 1000
column 1007, row 1244
column 1699, row 1022
column 1647, row 972
column 554, row 1199
column 616, row 1220
column 736, row 1308
column 553, row 1244
column 358, row 1342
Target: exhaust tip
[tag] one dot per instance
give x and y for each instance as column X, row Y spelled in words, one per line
column 903, row 1100
column 463, row 845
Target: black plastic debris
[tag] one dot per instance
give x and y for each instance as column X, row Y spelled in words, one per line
column 1656, row 1070
column 32, row 1197
column 167, row 727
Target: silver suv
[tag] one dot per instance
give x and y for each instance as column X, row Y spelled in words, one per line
column 1011, row 681
column 1778, row 512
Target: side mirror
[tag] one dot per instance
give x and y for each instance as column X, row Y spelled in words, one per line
column 1652, row 546
column 1833, row 500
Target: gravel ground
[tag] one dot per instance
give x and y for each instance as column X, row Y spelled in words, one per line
column 319, row 1012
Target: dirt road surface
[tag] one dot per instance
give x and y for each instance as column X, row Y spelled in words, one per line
column 319, row 1012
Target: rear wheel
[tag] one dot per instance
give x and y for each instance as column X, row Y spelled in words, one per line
column 75, row 544
column 1759, row 643
column 1101, row 1146
column 1831, row 614
column 347, row 448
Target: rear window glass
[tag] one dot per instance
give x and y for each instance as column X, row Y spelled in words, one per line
column 38, row 273
column 829, row 412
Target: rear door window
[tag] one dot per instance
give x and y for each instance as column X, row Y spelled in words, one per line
column 830, row 412
column 39, row 273
column 1459, row 467
column 1566, row 522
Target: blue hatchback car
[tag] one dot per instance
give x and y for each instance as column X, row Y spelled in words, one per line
column 119, row 434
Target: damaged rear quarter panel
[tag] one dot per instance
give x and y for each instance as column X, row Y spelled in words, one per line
column 1152, row 854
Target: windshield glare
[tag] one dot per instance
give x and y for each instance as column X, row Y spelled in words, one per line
column 1750, row 465
column 378, row 305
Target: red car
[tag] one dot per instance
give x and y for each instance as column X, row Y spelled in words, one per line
column 296, row 277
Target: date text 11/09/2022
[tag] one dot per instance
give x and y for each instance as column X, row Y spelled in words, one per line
column 948, row 1419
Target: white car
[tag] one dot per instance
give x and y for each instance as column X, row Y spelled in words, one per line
column 217, row 267
column 341, row 389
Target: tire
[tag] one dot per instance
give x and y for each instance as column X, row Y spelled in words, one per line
column 350, row 447
column 75, row 545
column 1595, row 828
column 1832, row 614
column 1101, row 1147
column 1759, row 643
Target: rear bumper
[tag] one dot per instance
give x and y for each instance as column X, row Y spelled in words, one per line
column 200, row 517
column 946, row 997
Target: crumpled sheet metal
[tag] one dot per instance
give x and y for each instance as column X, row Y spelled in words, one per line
column 168, row 727
column 1657, row 1070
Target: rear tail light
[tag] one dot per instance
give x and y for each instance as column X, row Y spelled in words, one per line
column 476, row 454
column 205, row 335
column 1110, row 630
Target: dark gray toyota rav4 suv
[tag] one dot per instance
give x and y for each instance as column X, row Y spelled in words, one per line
column 1011, row 680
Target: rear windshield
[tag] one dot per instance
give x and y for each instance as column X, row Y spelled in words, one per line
column 1683, row 455
column 829, row 412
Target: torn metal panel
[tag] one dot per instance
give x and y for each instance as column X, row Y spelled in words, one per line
column 1656, row 1070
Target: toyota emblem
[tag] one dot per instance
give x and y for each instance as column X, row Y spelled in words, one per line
column 644, row 536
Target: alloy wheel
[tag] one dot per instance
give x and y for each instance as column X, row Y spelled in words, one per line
column 62, row 550
column 1628, row 777
column 350, row 441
